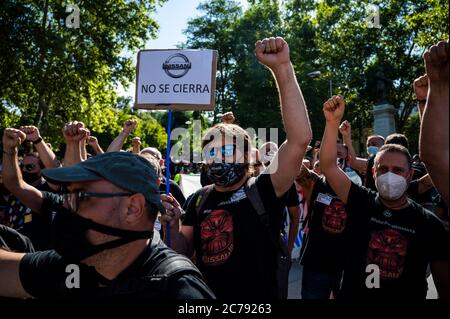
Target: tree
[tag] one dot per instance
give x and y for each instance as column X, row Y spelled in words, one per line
column 51, row 74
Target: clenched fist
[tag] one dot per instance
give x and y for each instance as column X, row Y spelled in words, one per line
column 228, row 118
column 436, row 63
column 334, row 108
column 129, row 126
column 272, row 52
column 92, row 141
column 74, row 132
column 421, row 88
column 32, row 133
column 173, row 210
column 345, row 129
column 136, row 141
column 12, row 138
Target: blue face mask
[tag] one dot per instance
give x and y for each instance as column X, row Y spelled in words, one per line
column 372, row 150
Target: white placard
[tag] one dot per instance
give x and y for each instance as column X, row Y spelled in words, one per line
column 176, row 79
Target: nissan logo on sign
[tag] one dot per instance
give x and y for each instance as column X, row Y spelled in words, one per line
column 176, row 65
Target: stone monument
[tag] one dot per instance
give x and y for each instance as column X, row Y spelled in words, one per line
column 383, row 112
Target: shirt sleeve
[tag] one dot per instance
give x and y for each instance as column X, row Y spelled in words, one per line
column 360, row 200
column 41, row 273
column 267, row 193
column 51, row 203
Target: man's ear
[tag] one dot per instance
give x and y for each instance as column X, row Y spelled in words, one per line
column 136, row 208
column 410, row 175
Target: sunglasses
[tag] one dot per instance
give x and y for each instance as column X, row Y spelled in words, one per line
column 225, row 150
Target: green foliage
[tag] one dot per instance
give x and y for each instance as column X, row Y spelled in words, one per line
column 329, row 36
column 52, row 74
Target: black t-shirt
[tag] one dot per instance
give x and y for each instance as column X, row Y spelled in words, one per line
column 14, row 241
column 324, row 245
column 45, row 275
column 36, row 226
column 174, row 189
column 234, row 250
column 400, row 242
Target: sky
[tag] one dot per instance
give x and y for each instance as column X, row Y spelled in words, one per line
column 172, row 18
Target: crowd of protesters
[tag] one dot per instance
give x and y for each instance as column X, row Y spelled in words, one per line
column 375, row 226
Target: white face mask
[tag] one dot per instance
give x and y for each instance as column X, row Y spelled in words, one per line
column 391, row 186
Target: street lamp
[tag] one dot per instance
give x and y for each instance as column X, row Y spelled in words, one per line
column 317, row 74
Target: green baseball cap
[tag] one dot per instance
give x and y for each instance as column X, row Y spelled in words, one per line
column 126, row 170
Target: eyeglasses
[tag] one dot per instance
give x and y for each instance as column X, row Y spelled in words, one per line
column 226, row 150
column 74, row 199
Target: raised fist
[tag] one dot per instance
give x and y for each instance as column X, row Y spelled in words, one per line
column 12, row 138
column 421, row 88
column 92, row 140
column 334, row 108
column 129, row 126
column 228, row 118
column 436, row 63
column 345, row 129
column 32, row 133
column 136, row 141
column 173, row 210
column 272, row 52
column 74, row 132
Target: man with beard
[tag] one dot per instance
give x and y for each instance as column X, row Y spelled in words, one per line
column 103, row 230
column 235, row 245
column 392, row 239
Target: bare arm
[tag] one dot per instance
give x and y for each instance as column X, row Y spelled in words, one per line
column 340, row 183
column 12, row 176
column 11, row 285
column 294, row 217
column 117, row 144
column 274, row 53
column 181, row 237
column 136, row 143
column 360, row 164
column 440, row 271
column 434, row 141
column 73, row 133
column 93, row 142
column 46, row 154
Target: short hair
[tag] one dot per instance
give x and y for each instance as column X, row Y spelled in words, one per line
column 398, row 139
column 152, row 151
column 375, row 136
column 230, row 131
column 394, row 148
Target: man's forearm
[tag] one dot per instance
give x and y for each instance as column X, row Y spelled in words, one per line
column 10, row 169
column 46, row 155
column 118, row 142
column 294, row 215
column 177, row 241
column 293, row 106
column 73, row 154
column 328, row 148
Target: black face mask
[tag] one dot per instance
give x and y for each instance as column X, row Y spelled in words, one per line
column 225, row 174
column 70, row 241
column 30, row 178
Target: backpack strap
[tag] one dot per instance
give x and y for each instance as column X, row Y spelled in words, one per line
column 255, row 199
column 202, row 196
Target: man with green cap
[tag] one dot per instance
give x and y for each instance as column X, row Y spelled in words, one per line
column 104, row 242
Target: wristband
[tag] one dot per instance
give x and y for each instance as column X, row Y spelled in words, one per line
column 37, row 141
